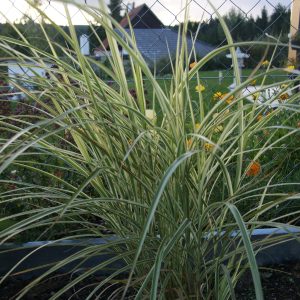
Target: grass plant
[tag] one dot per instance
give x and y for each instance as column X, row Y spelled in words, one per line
column 170, row 187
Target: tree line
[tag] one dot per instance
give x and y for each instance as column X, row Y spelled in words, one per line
column 244, row 28
column 247, row 28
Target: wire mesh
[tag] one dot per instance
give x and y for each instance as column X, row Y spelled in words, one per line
column 157, row 22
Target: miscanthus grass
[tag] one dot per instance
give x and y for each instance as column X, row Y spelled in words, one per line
column 166, row 180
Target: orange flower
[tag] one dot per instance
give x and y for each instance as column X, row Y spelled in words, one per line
column 189, row 143
column 259, row 117
column 230, row 99
column 284, row 96
column 192, row 65
column 254, row 168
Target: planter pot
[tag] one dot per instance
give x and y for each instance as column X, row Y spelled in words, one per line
column 44, row 254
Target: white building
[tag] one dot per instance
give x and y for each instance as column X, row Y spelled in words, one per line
column 23, row 73
column 84, row 44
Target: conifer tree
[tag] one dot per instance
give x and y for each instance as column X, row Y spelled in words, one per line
column 262, row 22
column 115, row 9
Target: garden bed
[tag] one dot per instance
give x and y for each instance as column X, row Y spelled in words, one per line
column 48, row 287
column 50, row 253
column 279, row 268
column 279, row 282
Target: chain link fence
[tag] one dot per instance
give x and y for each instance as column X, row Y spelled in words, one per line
column 155, row 25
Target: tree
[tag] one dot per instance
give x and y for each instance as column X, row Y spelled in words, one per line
column 280, row 20
column 262, row 22
column 251, row 28
column 237, row 25
column 115, row 9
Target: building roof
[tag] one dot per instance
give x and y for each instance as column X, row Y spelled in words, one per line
column 153, row 40
column 155, row 44
column 135, row 12
column 141, row 17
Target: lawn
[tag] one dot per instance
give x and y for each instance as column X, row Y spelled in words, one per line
column 210, row 79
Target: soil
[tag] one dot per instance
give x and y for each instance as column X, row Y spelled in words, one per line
column 279, row 283
column 43, row 291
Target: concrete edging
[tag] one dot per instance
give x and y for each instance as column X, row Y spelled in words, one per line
column 44, row 253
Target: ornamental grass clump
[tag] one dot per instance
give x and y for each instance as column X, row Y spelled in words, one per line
column 164, row 181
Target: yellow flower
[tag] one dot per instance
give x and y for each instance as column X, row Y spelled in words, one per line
column 218, row 129
column 283, row 86
column 189, row 143
column 230, row 99
column 291, row 67
column 192, row 65
column 255, row 96
column 265, row 63
column 200, row 88
column 254, row 168
column 150, row 114
column 253, row 82
column 197, row 126
column 259, row 117
column 208, row 146
column 284, row 96
column 218, row 96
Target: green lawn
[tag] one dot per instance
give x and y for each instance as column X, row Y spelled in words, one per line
column 210, row 79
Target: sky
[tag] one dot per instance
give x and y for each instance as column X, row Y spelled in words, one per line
column 168, row 11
